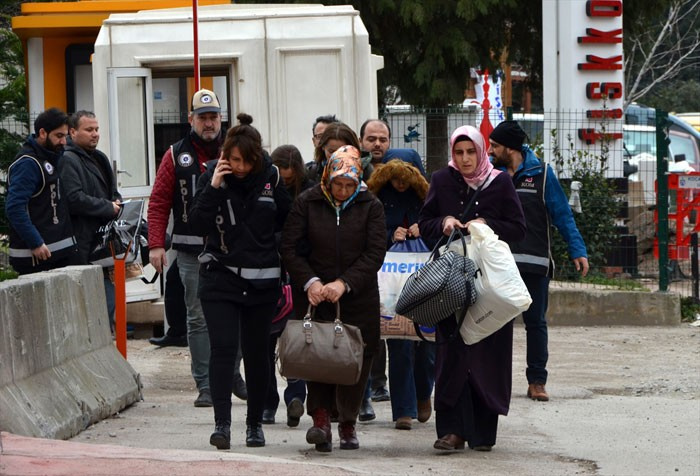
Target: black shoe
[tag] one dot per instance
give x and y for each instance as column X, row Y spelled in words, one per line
column 167, row 341
column 268, row 417
column 239, row 388
column 221, row 438
column 254, row 436
column 366, row 411
column 295, row 410
column 204, row 399
column 380, row 394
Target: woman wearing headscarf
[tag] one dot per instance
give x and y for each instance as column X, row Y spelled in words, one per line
column 240, row 205
column 402, row 188
column 333, row 244
column 473, row 382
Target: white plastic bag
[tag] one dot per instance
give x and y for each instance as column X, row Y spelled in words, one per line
column 501, row 292
column 402, row 259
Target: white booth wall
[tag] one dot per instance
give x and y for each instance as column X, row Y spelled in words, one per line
column 283, row 64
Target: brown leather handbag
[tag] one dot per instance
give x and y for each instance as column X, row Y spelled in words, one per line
column 326, row 352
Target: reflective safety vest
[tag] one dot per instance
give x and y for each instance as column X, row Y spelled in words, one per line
column 48, row 213
column 187, row 172
column 244, row 239
column 532, row 254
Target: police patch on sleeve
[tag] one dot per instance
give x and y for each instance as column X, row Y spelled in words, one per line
column 49, row 168
column 185, row 160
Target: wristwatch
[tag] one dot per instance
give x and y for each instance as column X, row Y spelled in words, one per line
column 347, row 286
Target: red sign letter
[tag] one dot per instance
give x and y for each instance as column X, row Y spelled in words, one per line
column 608, row 90
column 604, row 8
column 590, row 136
column 596, row 62
column 600, row 36
column 604, row 113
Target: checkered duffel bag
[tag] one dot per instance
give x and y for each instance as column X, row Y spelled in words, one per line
column 440, row 288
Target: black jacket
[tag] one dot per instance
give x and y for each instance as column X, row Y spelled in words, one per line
column 241, row 221
column 90, row 188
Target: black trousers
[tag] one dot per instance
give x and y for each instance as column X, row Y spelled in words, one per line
column 174, row 301
column 228, row 324
column 469, row 419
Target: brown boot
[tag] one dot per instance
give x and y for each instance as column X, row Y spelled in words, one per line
column 537, row 392
column 320, row 434
column 348, row 437
column 425, row 409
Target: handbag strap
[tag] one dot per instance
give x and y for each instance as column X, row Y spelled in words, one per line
column 338, row 329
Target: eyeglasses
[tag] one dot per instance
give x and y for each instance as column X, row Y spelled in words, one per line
column 318, row 136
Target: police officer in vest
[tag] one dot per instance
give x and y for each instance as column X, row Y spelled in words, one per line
column 41, row 235
column 174, row 190
column 544, row 204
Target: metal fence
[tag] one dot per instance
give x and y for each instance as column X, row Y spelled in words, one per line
column 618, row 219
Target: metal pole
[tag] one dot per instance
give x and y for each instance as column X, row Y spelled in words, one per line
column 662, row 142
column 120, row 308
column 694, row 265
column 195, row 34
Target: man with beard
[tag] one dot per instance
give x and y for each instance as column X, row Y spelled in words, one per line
column 41, row 235
column 375, row 137
column 174, row 190
column 90, row 188
column 544, row 203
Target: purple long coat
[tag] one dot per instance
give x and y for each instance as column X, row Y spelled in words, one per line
column 488, row 364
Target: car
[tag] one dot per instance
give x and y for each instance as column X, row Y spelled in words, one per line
column 639, row 134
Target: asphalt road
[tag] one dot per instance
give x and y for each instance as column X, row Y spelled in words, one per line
column 624, row 400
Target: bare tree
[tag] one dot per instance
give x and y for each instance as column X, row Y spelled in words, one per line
column 661, row 52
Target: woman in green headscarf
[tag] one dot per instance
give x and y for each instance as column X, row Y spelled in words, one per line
column 333, row 244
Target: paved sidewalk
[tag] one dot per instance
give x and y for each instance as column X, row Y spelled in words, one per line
column 625, row 400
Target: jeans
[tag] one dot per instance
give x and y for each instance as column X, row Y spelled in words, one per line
column 197, row 335
column 536, row 327
column 377, row 374
column 296, row 388
column 230, row 323
column 411, row 375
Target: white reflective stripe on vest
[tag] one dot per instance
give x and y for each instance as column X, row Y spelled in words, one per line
column 187, row 240
column 256, row 273
column 53, row 247
column 531, row 259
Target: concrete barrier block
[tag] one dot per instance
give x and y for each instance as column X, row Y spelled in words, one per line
column 60, row 370
column 591, row 307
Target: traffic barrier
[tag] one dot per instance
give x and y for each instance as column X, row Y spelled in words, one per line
column 59, row 369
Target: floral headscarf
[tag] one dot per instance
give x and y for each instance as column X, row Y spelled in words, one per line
column 345, row 162
column 484, row 168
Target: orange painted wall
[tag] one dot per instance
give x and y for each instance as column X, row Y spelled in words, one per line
column 55, row 68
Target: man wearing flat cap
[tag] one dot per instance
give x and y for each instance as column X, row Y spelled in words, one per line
column 544, row 204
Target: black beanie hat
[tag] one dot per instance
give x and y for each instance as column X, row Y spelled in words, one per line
column 509, row 134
